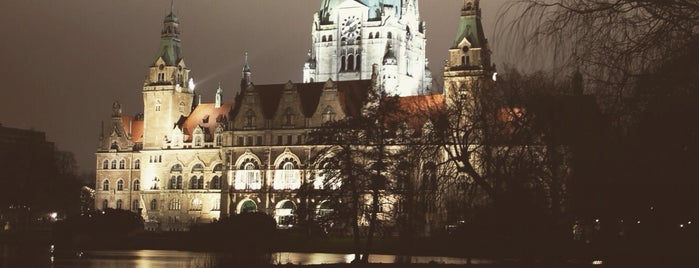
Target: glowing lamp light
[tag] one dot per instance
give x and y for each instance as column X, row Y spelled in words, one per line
column 191, row 83
column 597, row 220
column 495, row 76
column 597, row 262
column 681, row 225
column 53, row 215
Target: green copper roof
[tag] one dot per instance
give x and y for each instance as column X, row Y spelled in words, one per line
column 470, row 28
column 170, row 48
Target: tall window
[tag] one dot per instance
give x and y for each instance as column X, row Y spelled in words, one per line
column 193, row 182
column 137, row 164
column 105, row 185
column 250, row 119
column 288, row 117
column 154, row 204
column 179, row 182
column 174, row 204
column 136, row 185
column 216, row 206
column 122, row 164
column 288, row 177
column 248, row 177
column 135, row 205
column 219, row 140
column 215, row 183
column 328, row 114
column 120, row 185
column 200, row 182
column 197, row 141
column 105, row 204
column 113, row 164
column 119, row 204
column 105, row 164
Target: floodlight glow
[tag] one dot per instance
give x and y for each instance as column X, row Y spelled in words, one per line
column 191, row 83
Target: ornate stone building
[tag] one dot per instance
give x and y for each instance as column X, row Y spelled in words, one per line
column 182, row 162
column 350, row 36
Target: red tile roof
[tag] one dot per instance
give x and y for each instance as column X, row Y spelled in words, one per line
column 133, row 127
column 207, row 116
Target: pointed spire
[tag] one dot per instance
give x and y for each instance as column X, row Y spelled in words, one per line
column 245, row 81
column 219, row 95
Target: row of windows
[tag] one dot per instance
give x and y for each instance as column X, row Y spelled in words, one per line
column 196, row 205
column 281, row 140
column 175, row 205
column 196, row 183
column 196, row 168
column 120, row 185
column 122, row 164
column 329, row 38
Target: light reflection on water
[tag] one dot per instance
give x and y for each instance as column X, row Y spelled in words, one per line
column 171, row 258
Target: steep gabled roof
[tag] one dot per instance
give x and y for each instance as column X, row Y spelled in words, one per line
column 352, row 95
column 133, row 127
column 207, row 116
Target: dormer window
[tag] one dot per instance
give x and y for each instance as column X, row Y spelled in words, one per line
column 288, row 117
column 328, row 115
column 197, row 141
column 250, row 119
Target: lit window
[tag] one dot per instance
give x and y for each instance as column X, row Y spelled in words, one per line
column 196, row 204
column 216, row 206
column 288, row 177
column 248, row 177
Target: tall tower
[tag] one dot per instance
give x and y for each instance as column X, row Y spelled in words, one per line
column 469, row 56
column 168, row 90
column 350, row 36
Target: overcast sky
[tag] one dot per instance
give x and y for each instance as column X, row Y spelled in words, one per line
column 63, row 62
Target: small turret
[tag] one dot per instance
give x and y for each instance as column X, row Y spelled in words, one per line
column 219, row 95
column 246, row 80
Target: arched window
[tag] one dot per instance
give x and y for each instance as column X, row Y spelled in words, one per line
column 324, row 38
column 179, row 182
column 154, row 204
column 105, row 164
column 377, row 35
column 218, row 168
column 122, row 164
column 197, row 141
column 330, row 38
column 105, row 185
column 343, row 62
column 215, row 183
column 176, row 168
column 389, row 35
column 113, row 164
column 136, row 185
column 219, row 140
column 429, row 176
column 288, row 177
column 135, row 206
column 248, row 176
column 105, row 204
column 371, row 35
column 198, row 168
column 350, row 62
column 200, row 182
column 119, row 204
column 193, row 182
column 120, row 185
column 288, row 117
column 173, row 183
column 137, row 164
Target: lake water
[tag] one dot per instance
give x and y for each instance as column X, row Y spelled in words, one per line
column 174, row 259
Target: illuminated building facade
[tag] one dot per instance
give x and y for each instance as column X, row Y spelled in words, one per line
column 183, row 162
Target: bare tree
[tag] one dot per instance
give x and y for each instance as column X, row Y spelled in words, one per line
column 613, row 43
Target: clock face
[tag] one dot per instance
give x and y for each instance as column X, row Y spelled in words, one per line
column 351, row 27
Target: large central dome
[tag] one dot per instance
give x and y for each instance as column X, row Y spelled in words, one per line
column 328, row 7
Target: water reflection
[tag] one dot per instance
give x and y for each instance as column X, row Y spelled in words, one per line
column 171, row 258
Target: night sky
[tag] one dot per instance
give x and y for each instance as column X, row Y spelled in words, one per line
column 65, row 62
